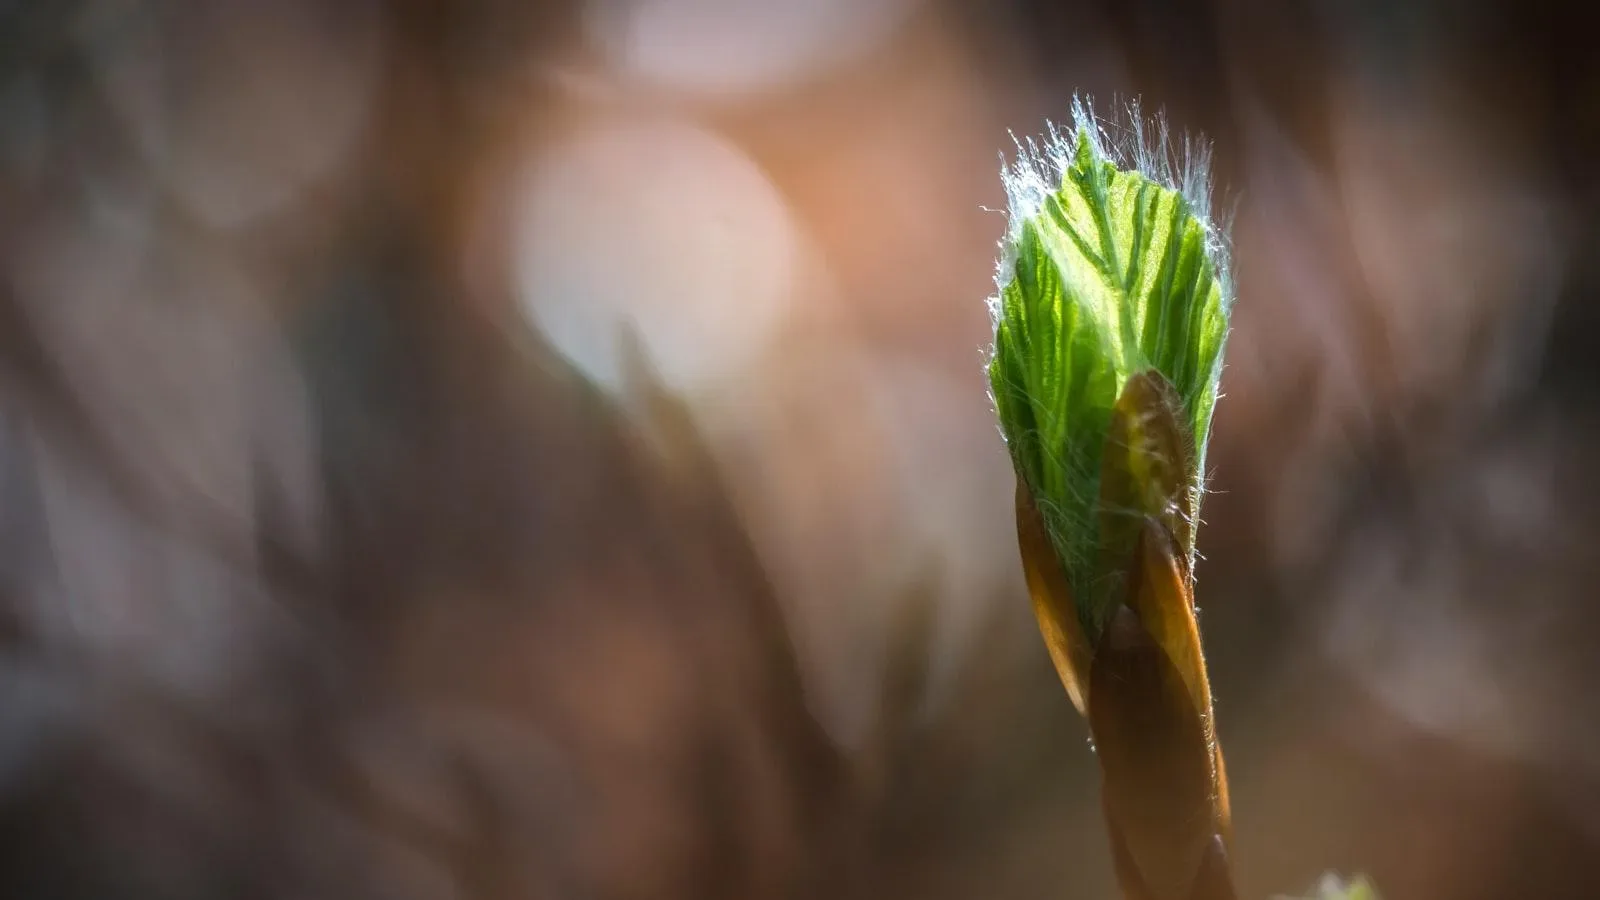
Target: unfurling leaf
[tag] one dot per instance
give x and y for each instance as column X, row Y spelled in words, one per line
column 1109, row 331
column 1108, row 272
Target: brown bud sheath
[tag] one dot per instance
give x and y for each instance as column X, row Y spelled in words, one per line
column 1052, row 601
column 1156, row 755
column 1140, row 678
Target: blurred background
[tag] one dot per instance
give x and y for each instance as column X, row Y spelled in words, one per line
column 541, row 449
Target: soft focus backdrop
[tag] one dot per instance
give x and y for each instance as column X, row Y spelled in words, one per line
column 540, row 450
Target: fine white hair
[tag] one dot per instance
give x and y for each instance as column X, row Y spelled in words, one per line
column 1131, row 142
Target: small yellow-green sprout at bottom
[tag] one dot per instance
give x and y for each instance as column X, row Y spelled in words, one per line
column 1332, row 888
column 1108, row 336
